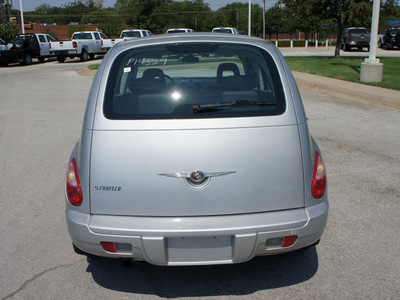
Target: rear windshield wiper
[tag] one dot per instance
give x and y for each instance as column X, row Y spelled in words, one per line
column 229, row 105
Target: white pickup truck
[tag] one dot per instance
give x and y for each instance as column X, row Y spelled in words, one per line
column 125, row 35
column 84, row 45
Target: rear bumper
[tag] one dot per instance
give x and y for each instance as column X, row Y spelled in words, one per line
column 64, row 52
column 359, row 43
column 197, row 240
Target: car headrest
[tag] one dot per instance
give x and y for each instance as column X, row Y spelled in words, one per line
column 153, row 73
column 227, row 67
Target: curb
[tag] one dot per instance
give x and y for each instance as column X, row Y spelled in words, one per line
column 376, row 96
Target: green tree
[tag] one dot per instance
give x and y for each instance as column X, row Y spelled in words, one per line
column 108, row 22
column 304, row 15
column 274, row 21
column 390, row 11
column 8, row 31
column 236, row 15
column 345, row 13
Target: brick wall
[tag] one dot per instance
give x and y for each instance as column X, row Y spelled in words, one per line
column 57, row 31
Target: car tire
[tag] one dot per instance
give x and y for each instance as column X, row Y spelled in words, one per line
column 347, row 47
column 41, row 59
column 61, row 59
column 91, row 56
column 84, row 56
column 27, row 60
column 389, row 46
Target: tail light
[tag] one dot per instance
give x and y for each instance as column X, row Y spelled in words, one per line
column 75, row 44
column 318, row 186
column 102, row 43
column 350, row 37
column 74, row 189
column 50, row 45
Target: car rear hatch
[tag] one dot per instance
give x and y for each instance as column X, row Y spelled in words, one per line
column 132, row 172
column 218, row 136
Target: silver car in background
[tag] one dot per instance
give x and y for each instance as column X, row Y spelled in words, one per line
column 195, row 150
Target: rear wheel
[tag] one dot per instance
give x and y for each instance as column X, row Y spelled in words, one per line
column 91, row 55
column 61, row 59
column 41, row 59
column 84, row 55
column 27, row 60
column 347, row 47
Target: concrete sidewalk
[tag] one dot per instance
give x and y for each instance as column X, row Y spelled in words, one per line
column 353, row 91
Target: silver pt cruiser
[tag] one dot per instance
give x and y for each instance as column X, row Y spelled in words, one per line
column 195, row 150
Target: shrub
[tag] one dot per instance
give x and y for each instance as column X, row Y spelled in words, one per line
column 8, row 32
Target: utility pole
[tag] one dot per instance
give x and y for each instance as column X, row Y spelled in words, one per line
column 264, row 19
column 371, row 68
column 249, row 26
column 8, row 9
column 22, row 17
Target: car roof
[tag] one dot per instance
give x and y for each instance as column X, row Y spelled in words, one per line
column 193, row 37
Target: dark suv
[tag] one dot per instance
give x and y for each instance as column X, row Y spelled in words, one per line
column 390, row 38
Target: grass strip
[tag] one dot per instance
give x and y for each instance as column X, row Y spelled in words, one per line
column 347, row 68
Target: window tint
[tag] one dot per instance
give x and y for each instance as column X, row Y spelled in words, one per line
column 82, row 36
column 96, row 36
column 193, row 80
column 42, row 39
column 357, row 31
column 50, row 38
column 130, row 34
column 103, row 36
column 223, row 30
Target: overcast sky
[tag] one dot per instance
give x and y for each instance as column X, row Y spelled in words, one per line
column 29, row 5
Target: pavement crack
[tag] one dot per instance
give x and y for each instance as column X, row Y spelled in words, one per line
column 34, row 277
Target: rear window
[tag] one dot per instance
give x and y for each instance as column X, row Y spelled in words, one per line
column 131, row 34
column 358, row 31
column 177, row 31
column 193, row 80
column 223, row 30
column 82, row 36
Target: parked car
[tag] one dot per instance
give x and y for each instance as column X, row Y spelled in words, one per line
column 85, row 45
column 4, row 45
column 355, row 37
column 179, row 30
column 390, row 38
column 25, row 47
column 225, row 30
column 207, row 161
column 125, row 35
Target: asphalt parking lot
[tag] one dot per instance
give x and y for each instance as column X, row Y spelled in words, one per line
column 41, row 112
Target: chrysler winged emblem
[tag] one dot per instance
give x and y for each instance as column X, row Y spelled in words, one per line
column 196, row 177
